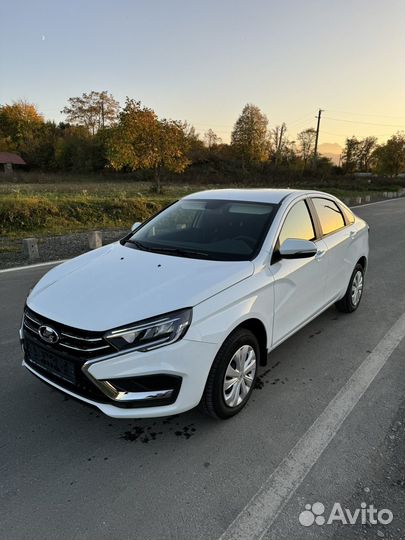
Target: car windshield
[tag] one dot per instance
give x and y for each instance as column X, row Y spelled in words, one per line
column 206, row 229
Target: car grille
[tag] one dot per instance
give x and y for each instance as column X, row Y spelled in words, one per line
column 60, row 368
column 62, row 362
column 79, row 343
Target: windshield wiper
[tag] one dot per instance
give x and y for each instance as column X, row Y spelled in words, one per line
column 169, row 250
column 180, row 252
column 139, row 245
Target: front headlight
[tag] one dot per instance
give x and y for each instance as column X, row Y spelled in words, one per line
column 151, row 333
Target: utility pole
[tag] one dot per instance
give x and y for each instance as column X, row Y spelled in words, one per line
column 280, row 141
column 317, row 136
column 102, row 114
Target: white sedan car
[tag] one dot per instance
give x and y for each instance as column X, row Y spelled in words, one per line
column 183, row 310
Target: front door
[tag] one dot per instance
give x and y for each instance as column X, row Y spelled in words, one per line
column 299, row 284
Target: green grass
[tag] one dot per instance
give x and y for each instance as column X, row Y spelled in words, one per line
column 73, row 204
column 23, row 214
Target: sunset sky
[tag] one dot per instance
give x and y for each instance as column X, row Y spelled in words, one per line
column 203, row 61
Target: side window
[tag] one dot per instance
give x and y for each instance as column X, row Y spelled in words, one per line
column 329, row 214
column 297, row 224
column 348, row 214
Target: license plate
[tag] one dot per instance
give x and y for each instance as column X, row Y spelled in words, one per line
column 50, row 362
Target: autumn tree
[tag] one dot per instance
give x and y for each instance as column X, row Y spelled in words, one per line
column 278, row 142
column 306, row 142
column 211, row 139
column 142, row 141
column 390, row 157
column 289, row 153
column 76, row 150
column 249, row 136
column 95, row 110
column 19, row 124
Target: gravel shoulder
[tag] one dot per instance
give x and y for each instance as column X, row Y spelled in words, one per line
column 52, row 248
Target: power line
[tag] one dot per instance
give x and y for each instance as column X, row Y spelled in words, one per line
column 301, row 120
column 345, row 134
column 360, row 122
column 368, row 114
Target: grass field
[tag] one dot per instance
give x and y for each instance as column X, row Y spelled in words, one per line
column 54, row 205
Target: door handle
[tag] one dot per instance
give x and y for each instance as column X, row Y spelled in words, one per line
column 352, row 234
column 319, row 254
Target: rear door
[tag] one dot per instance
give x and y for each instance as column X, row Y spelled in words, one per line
column 338, row 236
column 299, row 284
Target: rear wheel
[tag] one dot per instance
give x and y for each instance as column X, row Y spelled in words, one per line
column 232, row 376
column 351, row 300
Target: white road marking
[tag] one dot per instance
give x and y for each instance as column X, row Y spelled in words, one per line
column 29, row 266
column 379, row 202
column 261, row 511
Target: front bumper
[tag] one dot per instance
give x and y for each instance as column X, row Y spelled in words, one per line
column 186, row 360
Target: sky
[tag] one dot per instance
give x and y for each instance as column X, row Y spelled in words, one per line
column 202, row 61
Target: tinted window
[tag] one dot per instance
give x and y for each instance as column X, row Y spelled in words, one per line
column 211, row 229
column 329, row 215
column 297, row 224
column 348, row 214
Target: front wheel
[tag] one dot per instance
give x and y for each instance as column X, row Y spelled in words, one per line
column 351, row 300
column 232, row 376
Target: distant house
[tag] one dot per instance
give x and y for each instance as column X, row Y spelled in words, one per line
column 9, row 159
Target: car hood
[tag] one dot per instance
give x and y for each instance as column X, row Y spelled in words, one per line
column 116, row 285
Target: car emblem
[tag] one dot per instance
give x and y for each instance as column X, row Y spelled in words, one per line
column 48, row 334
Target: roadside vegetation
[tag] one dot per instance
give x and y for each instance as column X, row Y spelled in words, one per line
column 108, row 166
column 63, row 204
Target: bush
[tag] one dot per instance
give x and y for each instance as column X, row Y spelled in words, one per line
column 31, row 213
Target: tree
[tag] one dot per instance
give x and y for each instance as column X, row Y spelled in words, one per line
column 278, row 142
column 365, row 153
column 249, row 135
column 19, row 125
column 195, row 146
column 95, row 110
column 211, row 139
column 77, row 150
column 289, row 152
column 142, row 141
column 350, row 155
column 306, row 141
column 390, row 157
column 357, row 154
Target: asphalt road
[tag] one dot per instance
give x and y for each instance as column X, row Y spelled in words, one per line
column 68, row 472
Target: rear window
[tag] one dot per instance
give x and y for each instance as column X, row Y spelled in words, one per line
column 348, row 214
column 329, row 214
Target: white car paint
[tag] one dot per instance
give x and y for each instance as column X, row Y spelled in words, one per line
column 124, row 285
column 115, row 286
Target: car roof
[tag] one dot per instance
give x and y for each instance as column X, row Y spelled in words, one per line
column 274, row 196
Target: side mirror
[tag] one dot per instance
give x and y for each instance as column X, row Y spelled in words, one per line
column 136, row 225
column 293, row 248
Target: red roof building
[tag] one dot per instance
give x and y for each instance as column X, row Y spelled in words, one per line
column 8, row 159
column 14, row 159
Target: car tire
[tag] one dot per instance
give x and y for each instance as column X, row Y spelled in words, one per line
column 231, row 374
column 352, row 298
